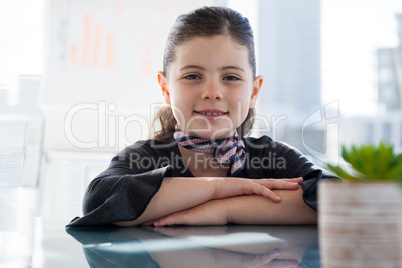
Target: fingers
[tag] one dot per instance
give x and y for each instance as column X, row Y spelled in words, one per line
column 298, row 180
column 264, row 191
column 267, row 185
column 161, row 222
column 168, row 221
column 179, row 218
column 280, row 184
column 289, row 180
column 148, row 223
column 229, row 187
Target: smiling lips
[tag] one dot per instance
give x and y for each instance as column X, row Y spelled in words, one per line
column 211, row 114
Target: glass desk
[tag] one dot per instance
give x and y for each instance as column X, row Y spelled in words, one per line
column 205, row 246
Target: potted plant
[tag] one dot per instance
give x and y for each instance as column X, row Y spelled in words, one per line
column 360, row 216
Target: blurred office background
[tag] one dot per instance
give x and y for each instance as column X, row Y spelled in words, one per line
column 86, row 70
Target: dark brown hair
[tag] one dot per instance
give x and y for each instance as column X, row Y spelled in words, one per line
column 205, row 22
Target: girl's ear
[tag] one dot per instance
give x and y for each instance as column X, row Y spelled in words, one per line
column 256, row 90
column 162, row 81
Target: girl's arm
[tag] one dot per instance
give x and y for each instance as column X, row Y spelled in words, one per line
column 251, row 209
column 291, row 210
column 178, row 194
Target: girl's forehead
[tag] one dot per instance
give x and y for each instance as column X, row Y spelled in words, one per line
column 213, row 40
column 221, row 46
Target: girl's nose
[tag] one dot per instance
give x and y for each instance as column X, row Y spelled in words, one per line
column 212, row 91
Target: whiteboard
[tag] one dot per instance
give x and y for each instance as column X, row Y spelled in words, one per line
column 108, row 50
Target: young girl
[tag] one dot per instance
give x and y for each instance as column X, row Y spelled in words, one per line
column 200, row 168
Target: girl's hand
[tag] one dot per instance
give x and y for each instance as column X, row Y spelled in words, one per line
column 209, row 213
column 229, row 187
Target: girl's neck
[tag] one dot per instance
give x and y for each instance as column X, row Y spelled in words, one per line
column 202, row 165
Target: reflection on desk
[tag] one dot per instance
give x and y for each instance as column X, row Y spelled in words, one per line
column 203, row 246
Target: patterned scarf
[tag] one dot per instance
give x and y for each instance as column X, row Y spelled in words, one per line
column 224, row 151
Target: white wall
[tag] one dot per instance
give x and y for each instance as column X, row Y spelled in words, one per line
column 102, row 58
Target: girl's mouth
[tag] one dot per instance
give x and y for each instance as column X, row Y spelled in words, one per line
column 211, row 114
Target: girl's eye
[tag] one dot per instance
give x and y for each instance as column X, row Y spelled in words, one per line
column 192, row 77
column 231, row 77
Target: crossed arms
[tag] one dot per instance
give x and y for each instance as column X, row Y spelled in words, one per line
column 219, row 201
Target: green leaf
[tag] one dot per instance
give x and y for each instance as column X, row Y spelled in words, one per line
column 370, row 163
column 342, row 173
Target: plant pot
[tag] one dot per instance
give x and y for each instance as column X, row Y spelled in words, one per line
column 360, row 224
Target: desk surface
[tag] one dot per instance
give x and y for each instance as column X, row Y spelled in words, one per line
column 207, row 246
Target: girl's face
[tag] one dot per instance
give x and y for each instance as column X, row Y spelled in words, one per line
column 210, row 86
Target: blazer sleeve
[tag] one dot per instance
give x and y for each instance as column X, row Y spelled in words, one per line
column 123, row 191
column 297, row 165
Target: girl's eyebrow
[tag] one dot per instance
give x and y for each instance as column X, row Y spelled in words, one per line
column 203, row 69
column 233, row 67
column 192, row 67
